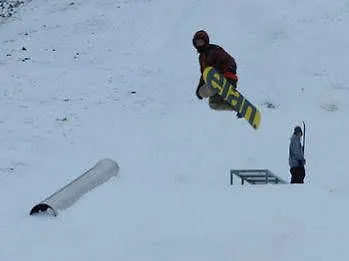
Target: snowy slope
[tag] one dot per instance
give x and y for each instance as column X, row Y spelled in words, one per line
column 84, row 80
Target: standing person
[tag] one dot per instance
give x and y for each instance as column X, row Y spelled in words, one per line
column 215, row 56
column 296, row 157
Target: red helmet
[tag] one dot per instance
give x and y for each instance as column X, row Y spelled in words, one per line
column 201, row 35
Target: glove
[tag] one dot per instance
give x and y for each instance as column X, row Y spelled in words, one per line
column 197, row 93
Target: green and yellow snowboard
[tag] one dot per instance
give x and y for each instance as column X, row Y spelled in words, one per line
column 222, row 87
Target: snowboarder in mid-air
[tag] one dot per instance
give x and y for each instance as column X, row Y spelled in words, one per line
column 215, row 56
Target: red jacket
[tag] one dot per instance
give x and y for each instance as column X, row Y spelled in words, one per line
column 217, row 57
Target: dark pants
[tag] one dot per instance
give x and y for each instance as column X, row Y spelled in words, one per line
column 297, row 174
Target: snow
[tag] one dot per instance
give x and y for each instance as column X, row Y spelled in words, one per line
column 85, row 80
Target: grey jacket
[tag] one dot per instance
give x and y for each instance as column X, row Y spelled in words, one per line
column 296, row 154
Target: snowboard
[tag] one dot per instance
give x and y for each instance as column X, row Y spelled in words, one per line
column 220, row 85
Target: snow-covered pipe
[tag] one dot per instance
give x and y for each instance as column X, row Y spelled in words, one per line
column 68, row 195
